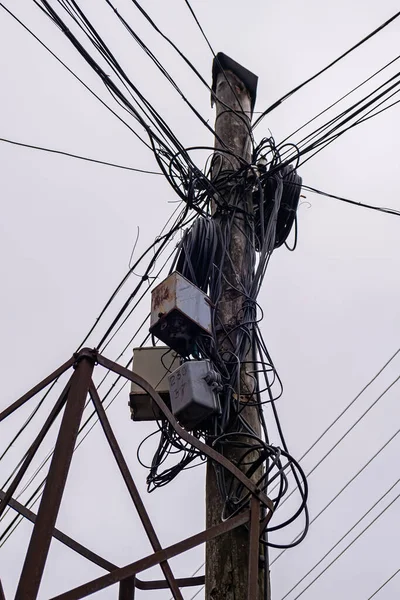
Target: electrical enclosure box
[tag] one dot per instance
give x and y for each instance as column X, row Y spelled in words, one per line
column 154, row 364
column 193, row 395
column 179, row 312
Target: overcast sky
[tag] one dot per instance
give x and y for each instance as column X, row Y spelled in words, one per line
column 331, row 308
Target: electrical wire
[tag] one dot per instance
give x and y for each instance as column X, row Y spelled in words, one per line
column 217, row 206
column 349, row 405
column 349, row 482
column 385, row 583
column 300, row 86
column 192, row 575
column 343, row 436
column 350, row 544
column 342, row 97
column 323, row 136
column 35, row 37
column 71, row 155
column 196, row 593
column 390, row 211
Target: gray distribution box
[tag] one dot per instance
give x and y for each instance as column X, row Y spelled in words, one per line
column 179, row 312
column 193, row 392
column 154, row 364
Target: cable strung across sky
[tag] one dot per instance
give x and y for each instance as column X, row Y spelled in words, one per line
column 299, row 87
column 349, row 482
column 383, row 584
column 363, row 531
column 197, row 189
column 71, row 155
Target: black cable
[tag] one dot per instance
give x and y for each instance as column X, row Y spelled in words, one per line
column 160, row 67
column 343, row 488
column 297, row 88
column 342, row 97
column 205, row 257
column 70, row 155
column 323, row 136
column 374, row 520
column 384, row 583
column 72, row 73
column 390, row 211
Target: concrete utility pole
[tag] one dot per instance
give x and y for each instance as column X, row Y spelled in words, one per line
column 227, row 556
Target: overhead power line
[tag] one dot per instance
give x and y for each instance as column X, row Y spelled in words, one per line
column 390, row 211
column 354, row 424
column 383, row 584
column 324, row 433
column 350, row 481
column 349, row 545
column 360, row 112
column 343, row 97
column 297, row 88
column 26, row 28
column 340, row 415
column 78, row 156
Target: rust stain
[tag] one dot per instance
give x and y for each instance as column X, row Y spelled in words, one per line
column 160, row 295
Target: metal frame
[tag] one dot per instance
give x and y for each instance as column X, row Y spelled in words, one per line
column 73, row 399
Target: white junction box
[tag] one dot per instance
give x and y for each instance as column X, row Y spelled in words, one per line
column 154, row 364
column 179, row 312
column 193, row 392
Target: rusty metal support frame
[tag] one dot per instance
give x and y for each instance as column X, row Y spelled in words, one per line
column 133, row 491
column 101, row 583
column 156, row 584
column 127, row 589
column 73, row 397
column 36, row 389
column 34, row 448
column 196, row 443
column 35, row 560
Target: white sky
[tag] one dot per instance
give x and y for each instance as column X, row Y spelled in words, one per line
column 331, row 308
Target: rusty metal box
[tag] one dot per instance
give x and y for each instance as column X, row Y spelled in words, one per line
column 180, row 311
column 154, row 364
column 193, row 392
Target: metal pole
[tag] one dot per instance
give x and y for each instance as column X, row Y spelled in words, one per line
column 36, row 555
column 127, row 589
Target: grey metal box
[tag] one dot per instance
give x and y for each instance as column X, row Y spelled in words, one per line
column 192, row 393
column 154, row 364
column 179, row 312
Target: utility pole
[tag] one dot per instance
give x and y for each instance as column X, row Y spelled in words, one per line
column 234, row 94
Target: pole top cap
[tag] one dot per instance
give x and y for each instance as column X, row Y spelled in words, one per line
column 222, row 62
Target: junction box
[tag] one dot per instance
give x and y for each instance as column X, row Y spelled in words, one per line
column 154, row 364
column 180, row 312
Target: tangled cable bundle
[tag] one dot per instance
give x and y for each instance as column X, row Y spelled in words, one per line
column 260, row 199
column 238, row 353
